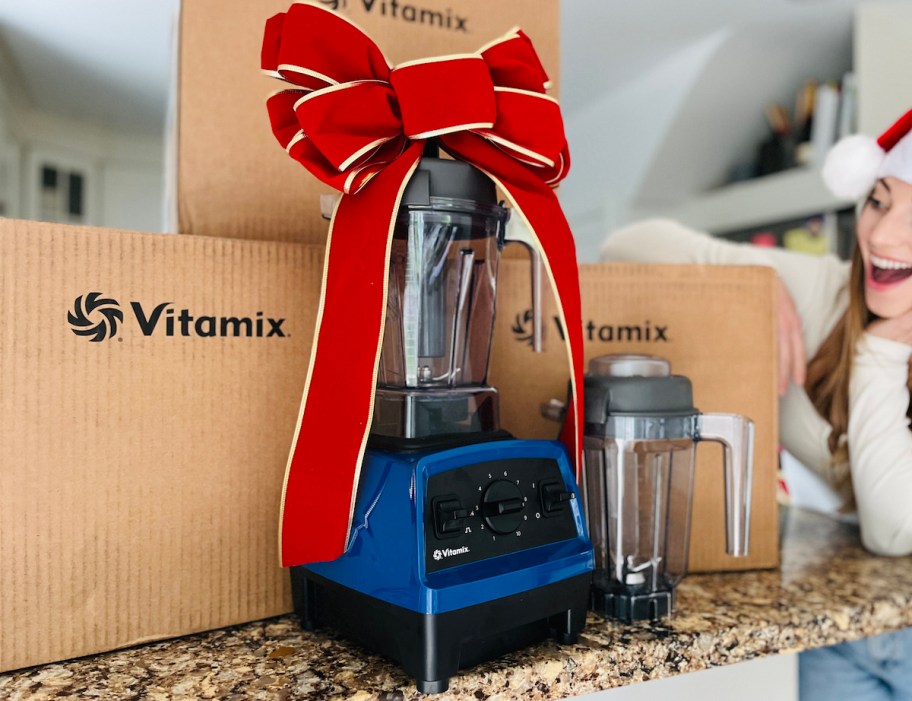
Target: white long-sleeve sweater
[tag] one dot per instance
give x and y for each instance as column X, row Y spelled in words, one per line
column 879, row 439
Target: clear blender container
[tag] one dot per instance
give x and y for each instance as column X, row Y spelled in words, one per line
column 448, row 238
column 641, row 432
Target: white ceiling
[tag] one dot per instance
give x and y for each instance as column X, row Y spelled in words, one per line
column 606, row 43
column 106, row 61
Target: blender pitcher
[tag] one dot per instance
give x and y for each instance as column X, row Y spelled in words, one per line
column 641, row 431
column 447, row 241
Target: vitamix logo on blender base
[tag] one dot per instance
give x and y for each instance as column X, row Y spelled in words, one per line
column 445, row 19
column 593, row 331
column 449, row 552
column 98, row 316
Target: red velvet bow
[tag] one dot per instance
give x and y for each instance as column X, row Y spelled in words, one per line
column 359, row 125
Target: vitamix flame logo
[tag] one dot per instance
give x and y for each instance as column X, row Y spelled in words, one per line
column 95, row 316
column 98, row 317
column 522, row 327
column 646, row 331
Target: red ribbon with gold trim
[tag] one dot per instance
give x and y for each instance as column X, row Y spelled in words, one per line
column 359, row 125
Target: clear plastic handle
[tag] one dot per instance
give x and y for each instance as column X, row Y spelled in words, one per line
column 736, row 434
column 521, row 235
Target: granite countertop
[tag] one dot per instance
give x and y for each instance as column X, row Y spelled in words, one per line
column 828, row 590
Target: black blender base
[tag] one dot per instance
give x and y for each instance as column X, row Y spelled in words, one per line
column 433, row 647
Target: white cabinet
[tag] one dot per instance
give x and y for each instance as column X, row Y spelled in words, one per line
column 882, row 55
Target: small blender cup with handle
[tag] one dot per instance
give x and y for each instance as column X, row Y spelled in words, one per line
column 641, row 432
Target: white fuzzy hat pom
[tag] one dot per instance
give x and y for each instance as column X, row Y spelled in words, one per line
column 850, row 168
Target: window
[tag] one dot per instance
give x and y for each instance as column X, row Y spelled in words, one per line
column 61, row 194
column 59, row 186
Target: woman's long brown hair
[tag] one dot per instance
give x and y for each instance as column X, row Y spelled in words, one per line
column 830, row 371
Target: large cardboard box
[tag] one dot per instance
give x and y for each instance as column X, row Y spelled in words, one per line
column 145, row 427
column 716, row 324
column 233, row 177
column 143, row 458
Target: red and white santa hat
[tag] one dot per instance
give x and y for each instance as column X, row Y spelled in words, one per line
column 857, row 162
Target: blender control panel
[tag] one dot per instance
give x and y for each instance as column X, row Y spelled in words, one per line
column 494, row 508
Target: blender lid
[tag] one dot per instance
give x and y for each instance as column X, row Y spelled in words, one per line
column 444, row 178
column 634, row 385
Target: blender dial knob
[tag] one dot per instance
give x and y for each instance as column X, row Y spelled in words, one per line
column 502, row 506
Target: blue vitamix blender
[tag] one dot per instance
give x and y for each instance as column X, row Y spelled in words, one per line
column 466, row 543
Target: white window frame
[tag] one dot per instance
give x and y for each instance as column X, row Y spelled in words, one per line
column 11, row 194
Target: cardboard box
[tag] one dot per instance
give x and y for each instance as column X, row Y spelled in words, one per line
column 142, row 472
column 717, row 326
column 234, row 179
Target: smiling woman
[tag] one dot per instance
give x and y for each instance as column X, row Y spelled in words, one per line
column 847, row 413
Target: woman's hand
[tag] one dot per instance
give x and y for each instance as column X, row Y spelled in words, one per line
column 899, row 328
column 792, row 354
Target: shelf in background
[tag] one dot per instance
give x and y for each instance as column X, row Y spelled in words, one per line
column 773, row 198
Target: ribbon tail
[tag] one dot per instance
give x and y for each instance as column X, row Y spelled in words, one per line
column 324, row 464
